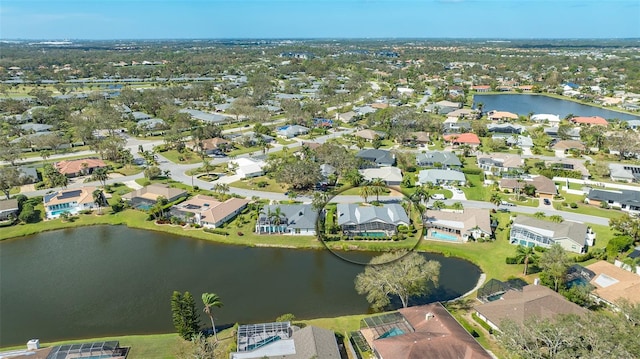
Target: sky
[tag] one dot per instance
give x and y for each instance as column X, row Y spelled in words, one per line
column 298, row 19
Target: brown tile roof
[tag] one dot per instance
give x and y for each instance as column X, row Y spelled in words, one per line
column 503, row 114
column 213, row 143
column 369, row 134
column 76, row 166
column 211, row 210
column 470, row 218
column 594, row 120
column 85, row 195
column 436, row 333
column 379, row 105
column 568, row 145
column 155, row 190
column 541, row 183
column 627, row 285
column 420, row 136
column 534, row 301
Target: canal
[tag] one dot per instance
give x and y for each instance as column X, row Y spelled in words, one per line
column 113, row 280
column 523, row 104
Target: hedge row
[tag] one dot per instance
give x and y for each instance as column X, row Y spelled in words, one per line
column 216, row 231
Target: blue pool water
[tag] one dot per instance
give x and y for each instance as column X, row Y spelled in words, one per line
column 446, row 237
column 392, row 333
column 60, row 211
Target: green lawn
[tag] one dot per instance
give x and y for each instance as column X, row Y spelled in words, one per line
column 252, row 184
column 584, row 208
column 476, row 190
column 529, row 202
column 185, row 157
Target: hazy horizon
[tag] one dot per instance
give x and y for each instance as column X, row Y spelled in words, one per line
column 318, row 19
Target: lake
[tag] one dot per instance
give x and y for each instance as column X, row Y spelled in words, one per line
column 523, row 104
column 113, row 280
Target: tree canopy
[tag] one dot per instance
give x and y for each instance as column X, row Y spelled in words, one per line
column 400, row 274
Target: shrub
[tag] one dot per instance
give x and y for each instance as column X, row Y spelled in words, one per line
column 240, row 234
column 472, row 171
column 573, row 205
column 511, row 260
column 216, row 231
column 262, row 184
column 482, row 323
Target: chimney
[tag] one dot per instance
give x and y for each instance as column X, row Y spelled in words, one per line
column 536, row 281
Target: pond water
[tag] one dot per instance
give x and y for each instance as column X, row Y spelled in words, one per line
column 113, row 280
column 523, row 104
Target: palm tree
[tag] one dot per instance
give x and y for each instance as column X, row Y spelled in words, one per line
column 377, row 187
column 457, row 206
column 211, row 300
column 539, row 215
column 97, row 199
column 525, row 255
column 438, row 205
column 354, row 177
column 276, row 218
column 365, row 192
column 100, row 174
column 556, row 218
column 496, row 199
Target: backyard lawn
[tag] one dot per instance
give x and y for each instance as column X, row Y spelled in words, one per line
column 185, row 157
column 262, row 183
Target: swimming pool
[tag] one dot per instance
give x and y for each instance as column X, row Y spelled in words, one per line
column 446, row 237
column 60, row 211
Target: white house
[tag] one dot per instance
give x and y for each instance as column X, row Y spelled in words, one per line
column 246, row 167
column 69, row 201
column 392, row 176
column 543, row 117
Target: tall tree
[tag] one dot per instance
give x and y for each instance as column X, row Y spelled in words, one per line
column 378, row 186
column 100, row 174
column 210, row 301
column 184, row 314
column 381, row 280
column 525, row 255
column 554, row 263
column 9, row 178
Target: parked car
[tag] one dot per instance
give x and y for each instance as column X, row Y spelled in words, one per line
column 546, row 201
column 437, row 196
column 505, row 203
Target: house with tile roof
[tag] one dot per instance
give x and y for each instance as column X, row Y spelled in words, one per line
column 373, row 221
column 392, row 176
column 571, row 164
column 591, row 121
column 499, row 163
column 287, row 219
column 370, row 135
column 470, row 224
column 572, row 236
column 545, row 188
column 247, row 167
column 70, row 201
column 468, row 138
column 425, row 331
column 613, row 284
column 501, row 116
column 80, row 167
column 533, row 301
column 207, row 211
column 562, row 147
column 147, row 196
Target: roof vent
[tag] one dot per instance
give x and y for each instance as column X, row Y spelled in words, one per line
column 429, row 316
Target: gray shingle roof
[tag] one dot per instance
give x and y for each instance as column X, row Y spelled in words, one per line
column 380, row 157
column 301, row 216
column 630, row 198
column 351, row 213
column 567, row 229
column 446, row 158
column 435, row 176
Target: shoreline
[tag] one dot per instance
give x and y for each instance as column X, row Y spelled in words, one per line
column 558, row 97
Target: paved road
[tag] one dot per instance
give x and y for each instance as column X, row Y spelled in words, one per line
column 178, row 173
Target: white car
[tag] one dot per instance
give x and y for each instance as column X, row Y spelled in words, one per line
column 437, row 196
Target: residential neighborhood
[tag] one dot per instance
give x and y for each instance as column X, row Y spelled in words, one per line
column 297, row 172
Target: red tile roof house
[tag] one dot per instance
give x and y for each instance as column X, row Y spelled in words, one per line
column 208, row 211
column 426, row 331
column 81, row 167
column 470, row 139
column 481, row 88
column 592, row 121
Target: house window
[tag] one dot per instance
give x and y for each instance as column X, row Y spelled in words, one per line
column 297, row 231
